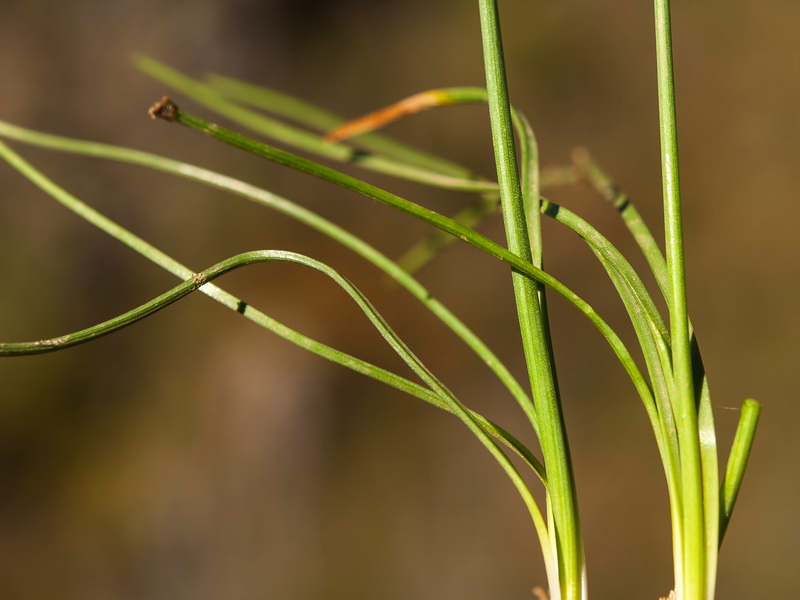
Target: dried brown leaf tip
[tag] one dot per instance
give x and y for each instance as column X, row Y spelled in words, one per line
column 163, row 109
column 540, row 593
column 384, row 116
column 670, row 597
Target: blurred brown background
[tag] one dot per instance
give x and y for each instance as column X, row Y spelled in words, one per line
column 195, row 456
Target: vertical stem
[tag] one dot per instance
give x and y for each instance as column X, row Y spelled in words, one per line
column 685, row 407
column 533, row 328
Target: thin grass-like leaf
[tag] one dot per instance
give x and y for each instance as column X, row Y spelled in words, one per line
column 165, row 108
column 643, row 392
column 292, row 210
column 262, row 196
column 522, row 224
column 322, row 120
column 299, row 138
column 714, row 527
column 439, row 390
column 194, row 281
column 645, row 318
column 737, row 462
column 338, row 128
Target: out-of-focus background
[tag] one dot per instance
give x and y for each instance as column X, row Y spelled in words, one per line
column 195, row 456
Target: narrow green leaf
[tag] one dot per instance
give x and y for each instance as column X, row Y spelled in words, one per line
column 194, row 281
column 441, row 222
column 299, row 138
column 292, row 210
column 737, row 461
column 591, row 236
column 596, row 177
column 322, row 120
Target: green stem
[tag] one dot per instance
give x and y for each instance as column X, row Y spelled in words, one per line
column 695, row 575
column 533, row 326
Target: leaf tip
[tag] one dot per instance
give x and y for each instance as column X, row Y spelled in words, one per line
column 163, row 109
column 379, row 118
